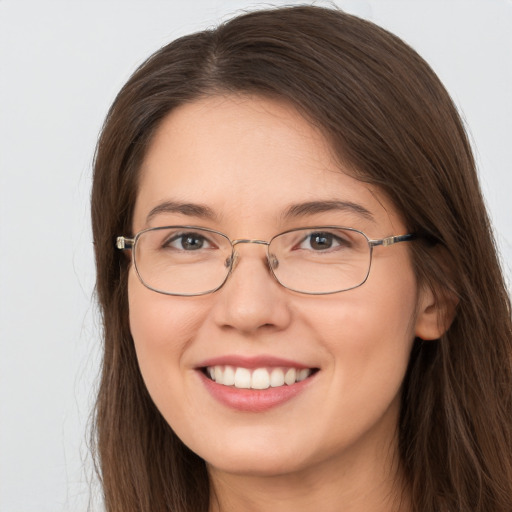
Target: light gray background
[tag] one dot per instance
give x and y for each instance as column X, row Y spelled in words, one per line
column 61, row 65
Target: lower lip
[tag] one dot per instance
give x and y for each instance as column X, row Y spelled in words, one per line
column 253, row 400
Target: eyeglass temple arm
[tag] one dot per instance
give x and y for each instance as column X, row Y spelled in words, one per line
column 124, row 243
column 390, row 240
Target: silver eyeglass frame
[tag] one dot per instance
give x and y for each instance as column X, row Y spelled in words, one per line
column 127, row 243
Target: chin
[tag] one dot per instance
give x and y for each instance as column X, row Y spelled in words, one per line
column 266, row 465
column 256, row 455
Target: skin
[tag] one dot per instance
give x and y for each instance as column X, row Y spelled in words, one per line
column 333, row 446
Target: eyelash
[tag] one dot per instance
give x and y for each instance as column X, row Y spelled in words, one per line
column 340, row 242
column 183, row 236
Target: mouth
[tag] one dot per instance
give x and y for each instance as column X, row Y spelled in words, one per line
column 256, row 378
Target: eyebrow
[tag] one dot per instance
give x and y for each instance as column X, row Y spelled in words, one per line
column 313, row 207
column 293, row 211
column 189, row 209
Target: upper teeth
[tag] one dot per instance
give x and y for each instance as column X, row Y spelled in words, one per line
column 258, row 378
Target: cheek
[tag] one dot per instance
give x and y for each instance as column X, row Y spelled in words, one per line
column 384, row 328
column 159, row 320
column 368, row 335
column 162, row 327
column 366, row 321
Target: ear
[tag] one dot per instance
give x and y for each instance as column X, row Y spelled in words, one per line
column 435, row 313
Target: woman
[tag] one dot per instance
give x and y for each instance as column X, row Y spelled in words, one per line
column 305, row 309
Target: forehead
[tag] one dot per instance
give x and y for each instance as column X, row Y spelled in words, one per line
column 244, row 157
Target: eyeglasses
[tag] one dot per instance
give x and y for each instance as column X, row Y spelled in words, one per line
column 189, row 261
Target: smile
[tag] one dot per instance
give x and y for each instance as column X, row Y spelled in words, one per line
column 256, row 378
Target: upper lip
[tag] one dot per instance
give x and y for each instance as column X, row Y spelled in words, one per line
column 260, row 361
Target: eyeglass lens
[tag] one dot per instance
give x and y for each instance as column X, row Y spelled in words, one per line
column 193, row 261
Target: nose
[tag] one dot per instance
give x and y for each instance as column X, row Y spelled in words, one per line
column 252, row 300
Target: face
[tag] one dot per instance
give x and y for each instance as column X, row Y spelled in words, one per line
column 244, row 161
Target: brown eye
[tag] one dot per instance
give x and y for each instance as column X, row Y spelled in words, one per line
column 191, row 242
column 187, row 242
column 321, row 241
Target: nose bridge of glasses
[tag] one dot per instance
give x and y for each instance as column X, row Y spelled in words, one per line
column 236, row 256
column 248, row 241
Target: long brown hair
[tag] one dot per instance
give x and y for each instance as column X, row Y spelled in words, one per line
column 385, row 112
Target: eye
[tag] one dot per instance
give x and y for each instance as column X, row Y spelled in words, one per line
column 188, row 242
column 321, row 241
